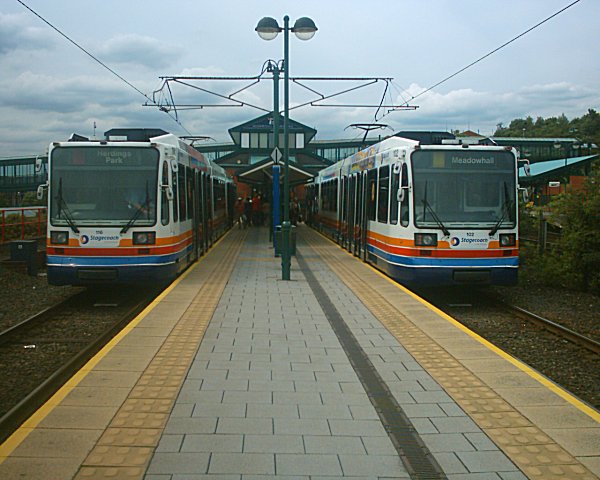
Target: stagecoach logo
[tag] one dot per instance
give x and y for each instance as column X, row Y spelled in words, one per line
column 469, row 242
column 98, row 238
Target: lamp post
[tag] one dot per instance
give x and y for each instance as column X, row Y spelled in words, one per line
column 268, row 29
column 274, row 68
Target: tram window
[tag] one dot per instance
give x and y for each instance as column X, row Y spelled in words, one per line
column 404, row 207
column 182, row 193
column 334, row 196
column 394, row 198
column 344, row 196
column 175, row 199
column 164, row 200
column 383, row 194
column 371, row 193
column 329, row 189
column 190, row 192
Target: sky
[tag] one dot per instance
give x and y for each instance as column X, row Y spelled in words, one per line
column 50, row 88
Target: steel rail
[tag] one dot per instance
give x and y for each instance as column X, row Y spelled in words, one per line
column 37, row 318
column 556, row 328
column 18, row 414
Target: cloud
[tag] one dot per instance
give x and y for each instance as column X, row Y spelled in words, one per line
column 16, row 34
column 41, row 92
column 483, row 110
column 139, row 50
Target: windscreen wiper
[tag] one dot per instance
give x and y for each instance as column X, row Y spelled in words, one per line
column 138, row 212
column 505, row 211
column 64, row 208
column 437, row 219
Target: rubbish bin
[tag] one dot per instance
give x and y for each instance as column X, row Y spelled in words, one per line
column 279, row 240
column 25, row 251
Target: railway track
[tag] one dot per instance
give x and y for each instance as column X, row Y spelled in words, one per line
column 39, row 354
column 557, row 329
column 569, row 358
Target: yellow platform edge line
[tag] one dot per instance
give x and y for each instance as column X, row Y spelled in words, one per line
column 580, row 405
column 561, row 392
column 19, row 435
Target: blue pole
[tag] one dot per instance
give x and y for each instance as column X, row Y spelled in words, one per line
column 276, row 204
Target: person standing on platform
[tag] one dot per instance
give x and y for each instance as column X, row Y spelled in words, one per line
column 248, row 210
column 239, row 212
column 256, row 210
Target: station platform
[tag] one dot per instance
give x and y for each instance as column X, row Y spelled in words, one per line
column 233, row 373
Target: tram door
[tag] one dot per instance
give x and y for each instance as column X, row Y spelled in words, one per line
column 207, row 189
column 342, row 212
column 370, row 202
column 350, row 212
column 346, row 208
column 196, row 215
column 361, row 214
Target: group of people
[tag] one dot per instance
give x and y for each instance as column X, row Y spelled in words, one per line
column 255, row 211
column 251, row 211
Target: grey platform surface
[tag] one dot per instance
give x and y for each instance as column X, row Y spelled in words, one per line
column 271, row 393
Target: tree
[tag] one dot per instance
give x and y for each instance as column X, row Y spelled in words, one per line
column 586, row 128
column 576, row 262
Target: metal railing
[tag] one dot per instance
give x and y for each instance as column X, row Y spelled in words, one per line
column 22, row 223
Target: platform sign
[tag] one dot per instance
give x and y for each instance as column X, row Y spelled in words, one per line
column 276, row 155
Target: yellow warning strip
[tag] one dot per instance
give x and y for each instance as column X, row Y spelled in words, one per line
column 581, row 406
column 517, row 363
column 12, row 442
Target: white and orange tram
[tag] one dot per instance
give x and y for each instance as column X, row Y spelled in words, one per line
column 427, row 215
column 131, row 211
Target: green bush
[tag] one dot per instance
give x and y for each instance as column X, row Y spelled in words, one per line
column 575, row 262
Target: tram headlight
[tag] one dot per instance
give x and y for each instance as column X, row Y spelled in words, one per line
column 426, row 239
column 144, row 238
column 59, row 238
column 508, row 239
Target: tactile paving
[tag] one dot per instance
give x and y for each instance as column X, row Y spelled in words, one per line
column 126, row 446
column 506, row 426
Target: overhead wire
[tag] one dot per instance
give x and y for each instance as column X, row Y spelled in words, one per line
column 488, row 54
column 406, row 102
column 93, row 57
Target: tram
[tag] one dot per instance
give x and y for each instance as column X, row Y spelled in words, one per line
column 426, row 215
column 131, row 211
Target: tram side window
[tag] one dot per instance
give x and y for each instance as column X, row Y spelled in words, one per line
column 164, row 201
column 219, row 192
column 395, row 184
column 330, row 191
column 404, row 207
column 182, row 193
column 175, row 199
column 344, row 197
column 334, row 196
column 371, row 194
column 190, row 192
column 383, row 194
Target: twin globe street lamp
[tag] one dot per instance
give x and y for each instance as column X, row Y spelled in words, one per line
column 268, row 28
